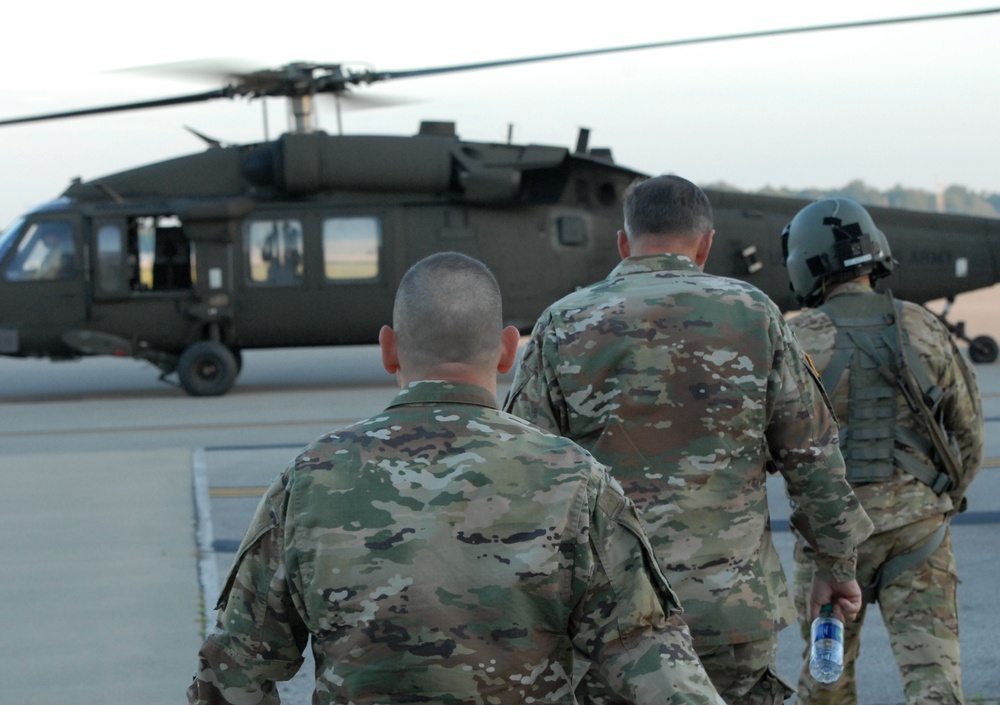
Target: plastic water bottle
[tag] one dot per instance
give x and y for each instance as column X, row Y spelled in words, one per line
column 826, row 655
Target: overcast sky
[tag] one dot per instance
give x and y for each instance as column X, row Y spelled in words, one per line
column 914, row 104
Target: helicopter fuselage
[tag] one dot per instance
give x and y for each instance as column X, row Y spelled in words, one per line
column 302, row 242
column 291, row 244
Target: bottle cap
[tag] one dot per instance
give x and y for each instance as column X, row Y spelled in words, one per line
column 826, row 610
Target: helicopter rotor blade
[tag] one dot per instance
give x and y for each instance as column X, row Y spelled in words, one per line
column 359, row 101
column 227, row 92
column 299, row 79
column 213, row 71
column 385, row 75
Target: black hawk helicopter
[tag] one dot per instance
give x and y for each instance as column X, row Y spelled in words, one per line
column 301, row 241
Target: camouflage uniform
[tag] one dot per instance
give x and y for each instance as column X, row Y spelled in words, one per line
column 685, row 384
column 446, row 552
column 918, row 607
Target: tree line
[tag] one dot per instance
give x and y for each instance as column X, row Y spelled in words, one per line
column 953, row 199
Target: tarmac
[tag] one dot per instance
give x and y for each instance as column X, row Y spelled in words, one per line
column 99, row 594
column 108, row 555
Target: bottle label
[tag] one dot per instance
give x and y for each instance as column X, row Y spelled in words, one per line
column 828, row 630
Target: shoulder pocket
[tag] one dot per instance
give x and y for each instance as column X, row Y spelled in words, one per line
column 625, row 517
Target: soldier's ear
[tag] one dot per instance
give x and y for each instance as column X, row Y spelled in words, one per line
column 704, row 247
column 509, row 338
column 390, row 354
column 624, row 249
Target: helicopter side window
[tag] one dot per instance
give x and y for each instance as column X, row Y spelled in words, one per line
column 274, row 252
column 351, row 248
column 46, row 251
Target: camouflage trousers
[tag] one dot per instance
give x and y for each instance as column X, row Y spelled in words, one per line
column 920, row 612
column 745, row 674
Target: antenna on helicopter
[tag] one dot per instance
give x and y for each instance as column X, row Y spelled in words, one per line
column 263, row 109
column 210, row 141
column 340, row 121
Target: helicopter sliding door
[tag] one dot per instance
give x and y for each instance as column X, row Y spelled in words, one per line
column 43, row 286
column 274, row 294
column 357, row 281
column 312, row 278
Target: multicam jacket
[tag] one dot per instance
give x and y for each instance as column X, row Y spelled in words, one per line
column 903, row 499
column 446, row 552
column 686, row 384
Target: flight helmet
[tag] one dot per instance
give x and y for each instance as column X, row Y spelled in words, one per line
column 831, row 241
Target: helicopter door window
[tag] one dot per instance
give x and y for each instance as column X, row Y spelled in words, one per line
column 110, row 260
column 46, row 251
column 274, row 252
column 351, row 248
column 572, row 230
column 148, row 253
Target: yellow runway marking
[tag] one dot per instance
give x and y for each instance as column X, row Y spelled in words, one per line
column 236, row 491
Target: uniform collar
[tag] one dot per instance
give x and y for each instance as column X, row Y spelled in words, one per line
column 433, row 391
column 667, row 261
column 851, row 287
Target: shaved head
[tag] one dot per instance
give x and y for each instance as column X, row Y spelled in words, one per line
column 448, row 310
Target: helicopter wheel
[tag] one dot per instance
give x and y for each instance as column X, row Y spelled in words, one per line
column 983, row 348
column 207, row 369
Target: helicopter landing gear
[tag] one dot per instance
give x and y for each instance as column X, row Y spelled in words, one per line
column 207, row 369
column 982, row 348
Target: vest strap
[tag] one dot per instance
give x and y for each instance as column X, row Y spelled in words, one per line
column 897, row 565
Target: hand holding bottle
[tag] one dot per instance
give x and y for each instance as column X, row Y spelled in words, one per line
column 826, row 650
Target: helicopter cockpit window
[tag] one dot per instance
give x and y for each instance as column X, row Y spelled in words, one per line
column 8, row 236
column 274, row 252
column 351, row 248
column 46, row 251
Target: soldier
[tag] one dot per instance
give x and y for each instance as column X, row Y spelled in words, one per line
column 58, row 262
column 865, row 343
column 444, row 551
column 685, row 384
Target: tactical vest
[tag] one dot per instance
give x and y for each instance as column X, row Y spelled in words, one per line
column 868, row 343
